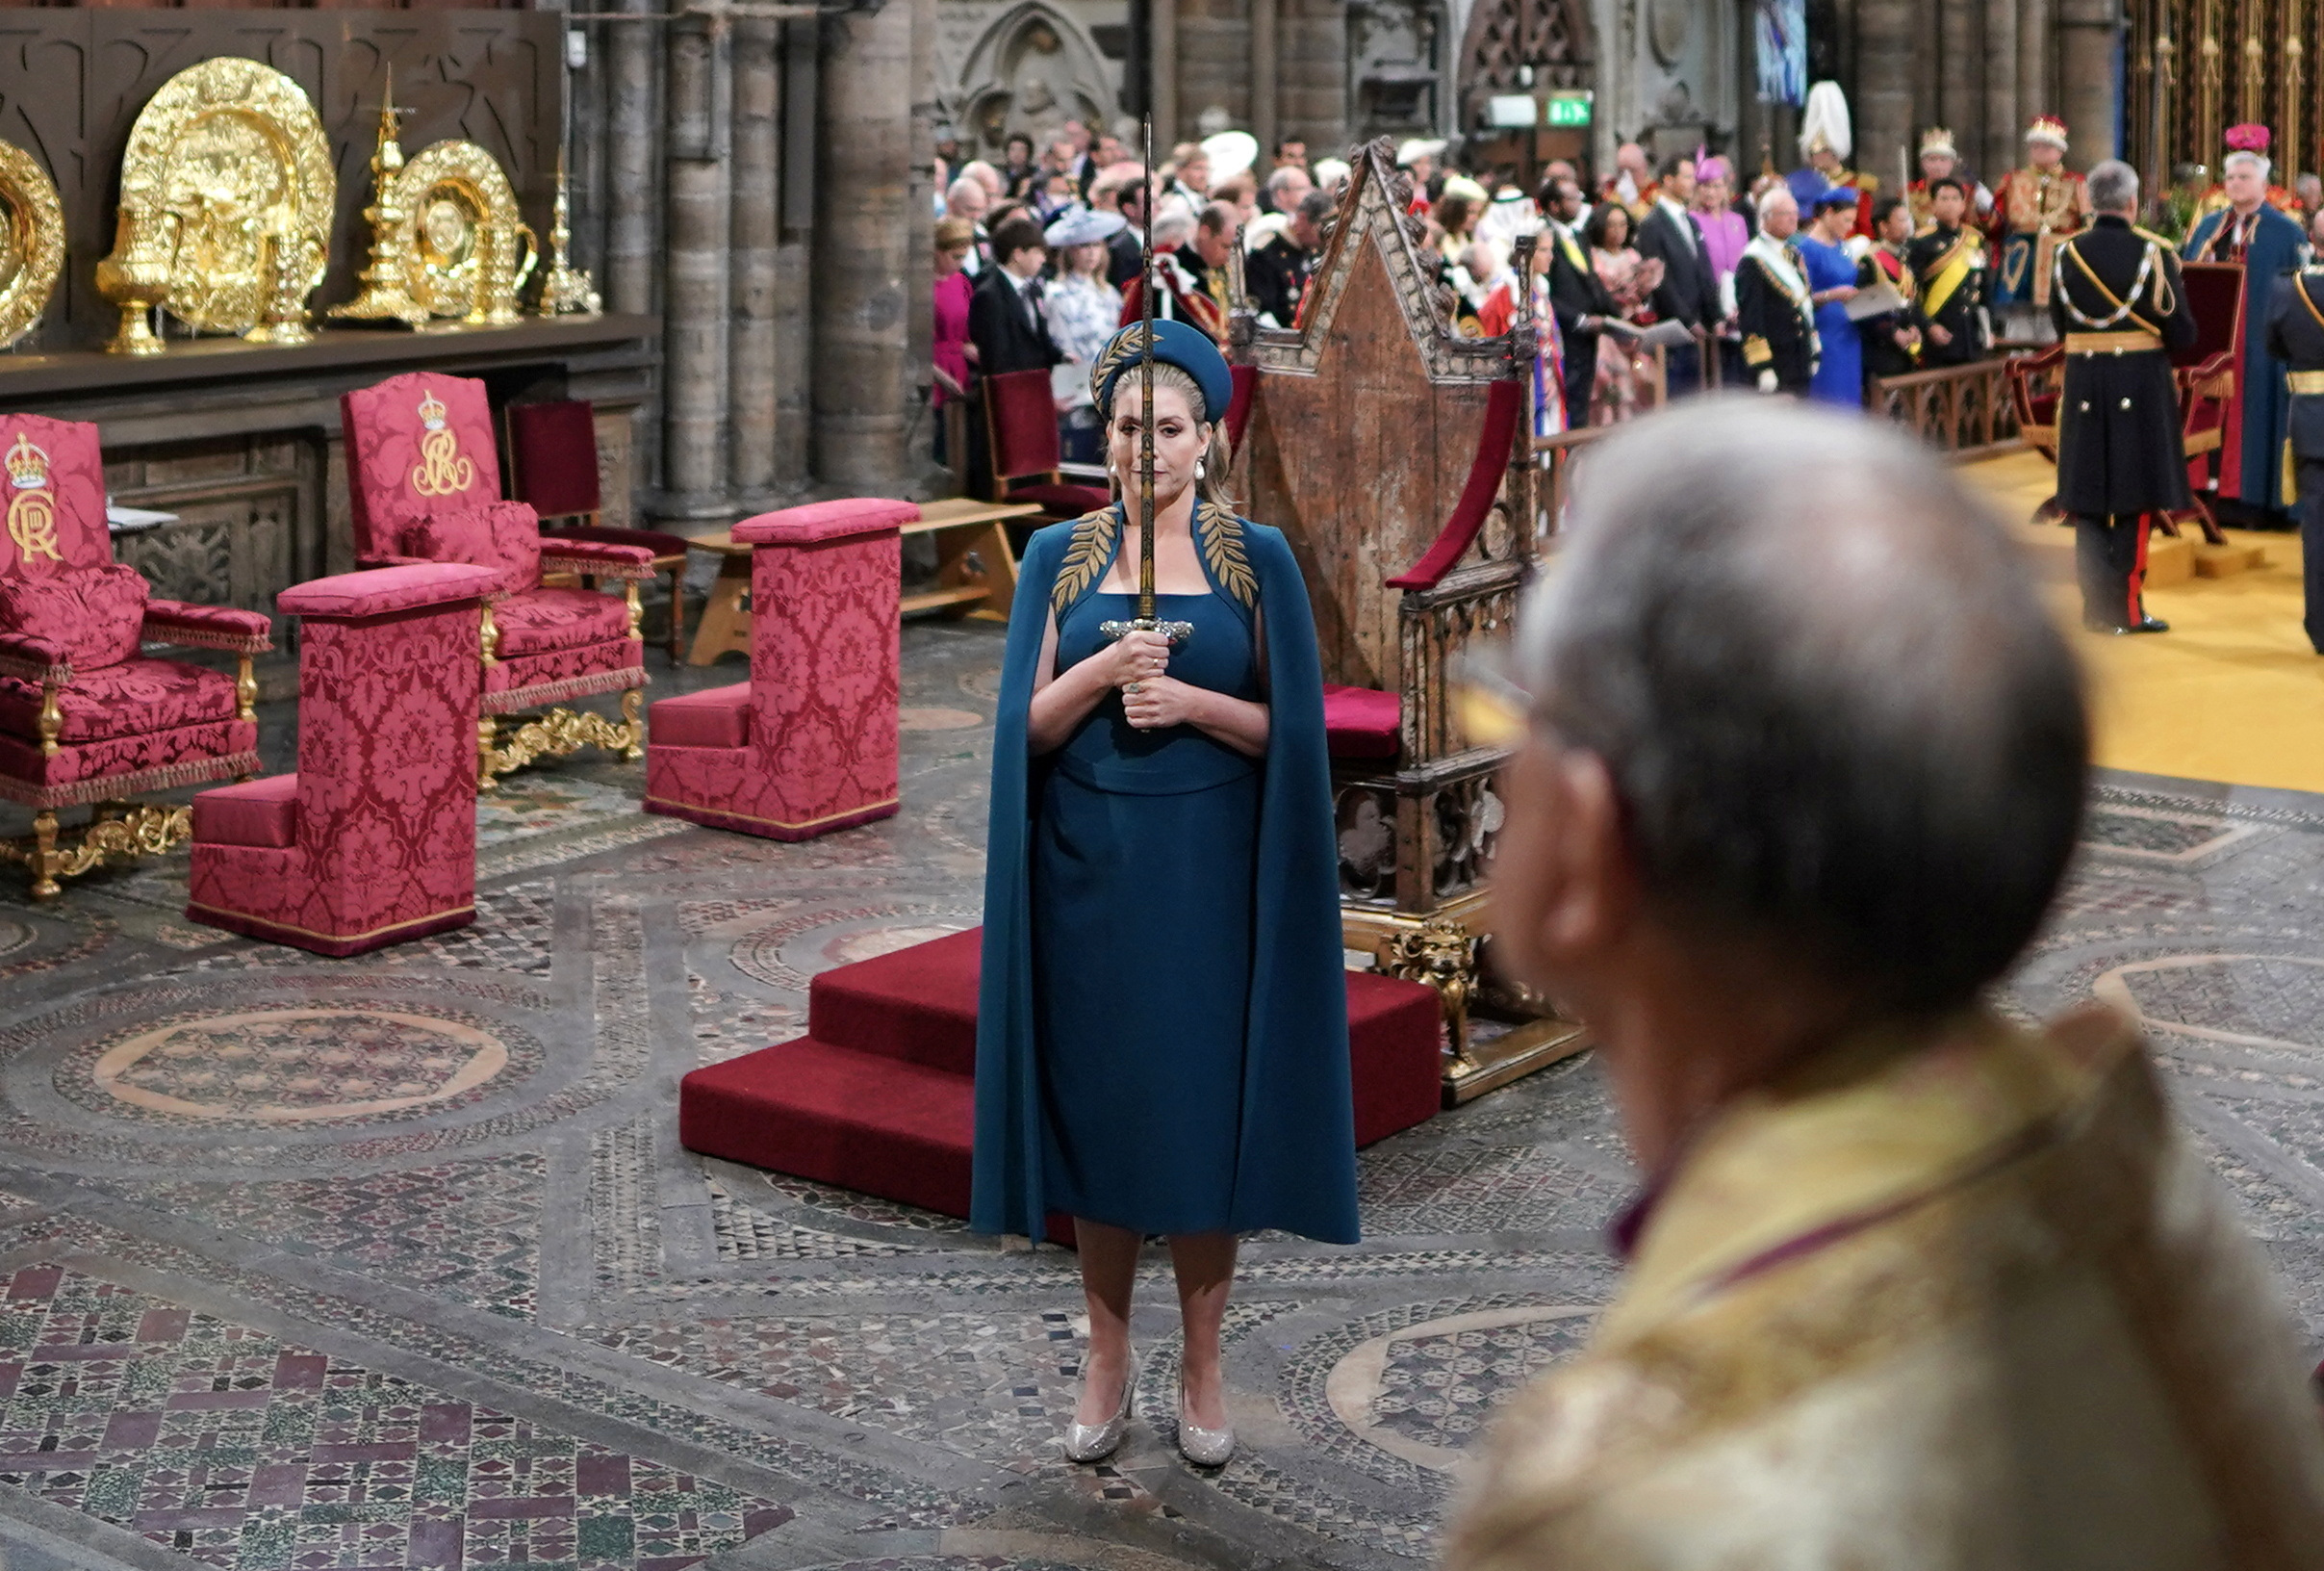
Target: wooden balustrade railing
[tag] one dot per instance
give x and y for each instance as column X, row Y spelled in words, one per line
column 1963, row 410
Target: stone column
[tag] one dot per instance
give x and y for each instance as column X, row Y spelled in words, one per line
column 1161, row 67
column 1884, row 101
column 794, row 339
column 753, row 366
column 694, row 320
column 1998, row 151
column 2086, row 34
column 2032, row 70
column 1263, row 68
column 862, row 240
column 632, row 162
column 1312, row 73
column 919, row 250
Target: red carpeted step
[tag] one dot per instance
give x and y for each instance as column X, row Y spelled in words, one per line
column 880, row 1096
column 917, row 1004
column 838, row 1115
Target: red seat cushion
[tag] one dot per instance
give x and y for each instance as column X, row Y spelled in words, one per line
column 653, row 540
column 1362, row 722
column 720, row 717
column 253, row 812
column 132, row 699
column 1065, row 501
column 505, row 535
column 541, row 621
column 95, row 612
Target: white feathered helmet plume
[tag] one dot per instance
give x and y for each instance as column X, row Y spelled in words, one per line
column 1825, row 122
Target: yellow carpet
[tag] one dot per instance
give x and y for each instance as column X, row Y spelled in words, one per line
column 2231, row 693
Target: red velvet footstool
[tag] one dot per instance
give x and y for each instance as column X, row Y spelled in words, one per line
column 879, row 1096
column 808, row 744
column 374, row 840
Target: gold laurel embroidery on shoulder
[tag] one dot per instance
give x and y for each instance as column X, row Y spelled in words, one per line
column 1221, row 535
column 1086, row 554
column 1127, row 346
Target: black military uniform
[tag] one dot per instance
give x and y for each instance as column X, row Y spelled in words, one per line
column 1952, row 289
column 1575, row 292
column 1883, row 356
column 1776, row 315
column 2117, row 300
column 2295, row 336
column 1276, row 275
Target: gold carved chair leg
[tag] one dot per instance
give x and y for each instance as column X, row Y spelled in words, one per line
column 45, row 858
column 116, row 830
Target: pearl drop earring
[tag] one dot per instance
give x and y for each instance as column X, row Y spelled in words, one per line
column 1198, row 468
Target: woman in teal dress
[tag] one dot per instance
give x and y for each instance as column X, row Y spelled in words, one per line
column 1162, row 1042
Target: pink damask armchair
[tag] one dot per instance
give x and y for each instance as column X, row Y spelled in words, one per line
column 808, row 744
column 423, row 483
column 374, row 840
column 86, row 718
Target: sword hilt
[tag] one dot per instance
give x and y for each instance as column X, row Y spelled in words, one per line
column 1177, row 633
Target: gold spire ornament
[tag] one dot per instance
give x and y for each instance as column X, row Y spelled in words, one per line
column 384, row 297
column 564, row 290
column 227, row 197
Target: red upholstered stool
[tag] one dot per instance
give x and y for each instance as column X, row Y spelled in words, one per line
column 879, row 1096
column 808, row 744
column 374, row 840
column 1362, row 722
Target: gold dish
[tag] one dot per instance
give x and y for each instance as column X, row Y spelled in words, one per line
column 465, row 249
column 227, row 194
column 32, row 242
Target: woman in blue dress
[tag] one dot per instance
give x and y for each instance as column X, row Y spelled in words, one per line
column 1162, row 1034
column 1832, row 282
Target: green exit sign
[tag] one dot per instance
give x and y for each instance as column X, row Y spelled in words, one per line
column 1569, row 108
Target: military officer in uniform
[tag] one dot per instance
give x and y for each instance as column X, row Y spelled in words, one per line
column 2116, row 302
column 1774, row 309
column 2295, row 336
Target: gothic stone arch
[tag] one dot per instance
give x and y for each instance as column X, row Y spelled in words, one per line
column 1031, row 71
column 1553, row 36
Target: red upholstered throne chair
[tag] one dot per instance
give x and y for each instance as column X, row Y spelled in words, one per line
column 424, row 484
column 808, row 744
column 552, row 469
column 2209, row 376
column 374, row 840
column 85, row 717
column 1027, row 457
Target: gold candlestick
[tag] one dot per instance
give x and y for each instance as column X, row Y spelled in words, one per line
column 564, row 290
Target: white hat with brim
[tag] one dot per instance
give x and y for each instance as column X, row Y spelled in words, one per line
column 1417, row 149
column 1264, row 229
column 1230, row 152
column 1084, row 226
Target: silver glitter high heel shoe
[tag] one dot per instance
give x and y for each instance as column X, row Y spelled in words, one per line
column 1204, row 1448
column 1096, row 1442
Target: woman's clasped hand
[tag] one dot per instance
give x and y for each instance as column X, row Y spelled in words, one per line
column 1137, row 665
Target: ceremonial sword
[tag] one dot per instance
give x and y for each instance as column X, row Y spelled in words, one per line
column 1177, row 633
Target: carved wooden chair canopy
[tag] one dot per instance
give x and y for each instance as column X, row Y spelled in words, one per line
column 1382, row 444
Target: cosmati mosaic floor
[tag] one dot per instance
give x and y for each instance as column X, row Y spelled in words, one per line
column 396, row 1262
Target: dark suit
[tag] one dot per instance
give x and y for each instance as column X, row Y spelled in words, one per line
column 1778, row 327
column 2120, row 459
column 1006, row 332
column 1123, row 254
column 2295, row 336
column 1953, row 304
column 1575, row 292
column 1883, row 356
column 1689, row 291
column 1275, row 274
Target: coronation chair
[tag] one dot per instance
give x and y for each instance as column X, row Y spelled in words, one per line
column 85, row 719
column 374, row 840
column 552, row 468
column 1395, row 455
column 424, row 484
column 808, row 744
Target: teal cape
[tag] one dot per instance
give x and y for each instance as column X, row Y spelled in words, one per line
column 1296, row 1165
column 2266, row 402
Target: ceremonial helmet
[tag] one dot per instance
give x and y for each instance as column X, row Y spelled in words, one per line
column 1824, row 124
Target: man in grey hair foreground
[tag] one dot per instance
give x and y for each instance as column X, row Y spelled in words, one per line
column 1908, row 1286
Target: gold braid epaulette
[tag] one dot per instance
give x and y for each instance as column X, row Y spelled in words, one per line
column 1220, row 533
column 1086, row 554
column 2164, row 241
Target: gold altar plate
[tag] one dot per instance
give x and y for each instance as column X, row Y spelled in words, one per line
column 227, row 195
column 466, row 249
column 32, row 242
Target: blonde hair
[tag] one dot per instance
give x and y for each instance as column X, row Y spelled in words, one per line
column 1215, row 459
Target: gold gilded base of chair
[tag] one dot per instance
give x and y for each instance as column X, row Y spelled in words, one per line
column 555, row 734
column 1441, row 949
column 116, row 831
